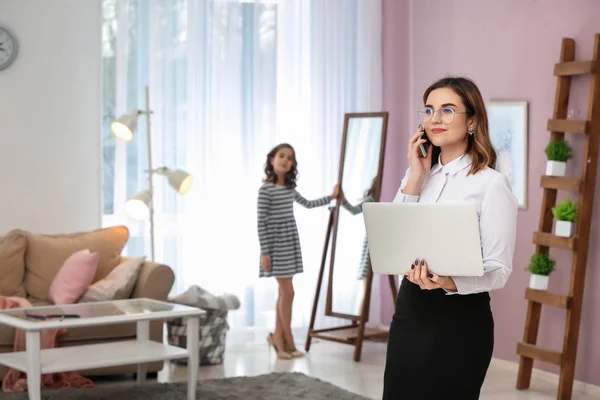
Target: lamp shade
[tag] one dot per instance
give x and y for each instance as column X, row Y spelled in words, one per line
column 138, row 207
column 124, row 127
column 179, row 180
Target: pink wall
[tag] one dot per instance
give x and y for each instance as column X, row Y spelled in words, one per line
column 396, row 85
column 509, row 49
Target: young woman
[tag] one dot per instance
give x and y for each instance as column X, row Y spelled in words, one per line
column 281, row 255
column 442, row 334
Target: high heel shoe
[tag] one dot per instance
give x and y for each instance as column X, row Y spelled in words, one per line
column 280, row 352
column 292, row 350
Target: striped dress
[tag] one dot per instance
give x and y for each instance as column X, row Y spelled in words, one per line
column 365, row 260
column 277, row 230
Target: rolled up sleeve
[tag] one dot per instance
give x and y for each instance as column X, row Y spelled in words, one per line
column 405, row 198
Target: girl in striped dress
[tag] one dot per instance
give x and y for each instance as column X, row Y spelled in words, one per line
column 369, row 196
column 280, row 251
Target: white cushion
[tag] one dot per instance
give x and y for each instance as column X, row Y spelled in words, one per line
column 118, row 284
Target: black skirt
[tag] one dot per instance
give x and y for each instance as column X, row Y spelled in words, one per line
column 439, row 346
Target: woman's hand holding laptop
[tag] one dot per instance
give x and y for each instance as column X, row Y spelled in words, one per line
column 426, row 280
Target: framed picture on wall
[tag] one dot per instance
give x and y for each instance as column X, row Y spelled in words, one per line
column 508, row 131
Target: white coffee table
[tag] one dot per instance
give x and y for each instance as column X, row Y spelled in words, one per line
column 141, row 351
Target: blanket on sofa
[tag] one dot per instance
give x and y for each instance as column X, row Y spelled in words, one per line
column 16, row 381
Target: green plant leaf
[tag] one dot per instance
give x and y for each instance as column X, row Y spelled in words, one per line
column 566, row 210
column 559, row 150
column 541, row 264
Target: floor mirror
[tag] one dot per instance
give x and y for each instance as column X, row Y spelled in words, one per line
column 345, row 251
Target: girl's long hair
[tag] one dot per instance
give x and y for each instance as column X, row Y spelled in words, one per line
column 370, row 192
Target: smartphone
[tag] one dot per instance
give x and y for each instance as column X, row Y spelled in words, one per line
column 424, row 146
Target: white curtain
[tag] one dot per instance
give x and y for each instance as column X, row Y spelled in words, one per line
column 228, row 81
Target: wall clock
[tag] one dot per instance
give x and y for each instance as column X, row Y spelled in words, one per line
column 9, row 47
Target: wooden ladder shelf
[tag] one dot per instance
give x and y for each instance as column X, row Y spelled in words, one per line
column 579, row 244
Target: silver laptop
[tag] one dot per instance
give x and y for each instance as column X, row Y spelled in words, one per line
column 445, row 235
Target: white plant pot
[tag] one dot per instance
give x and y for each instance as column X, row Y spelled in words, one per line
column 564, row 228
column 539, row 282
column 556, row 168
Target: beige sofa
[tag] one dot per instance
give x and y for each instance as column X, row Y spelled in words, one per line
column 29, row 262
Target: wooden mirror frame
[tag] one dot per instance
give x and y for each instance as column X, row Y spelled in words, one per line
column 356, row 332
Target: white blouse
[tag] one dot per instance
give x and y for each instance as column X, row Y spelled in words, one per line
column 497, row 208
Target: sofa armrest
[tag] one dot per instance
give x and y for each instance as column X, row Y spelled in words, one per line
column 154, row 281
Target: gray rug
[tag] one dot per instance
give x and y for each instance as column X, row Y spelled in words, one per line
column 275, row 386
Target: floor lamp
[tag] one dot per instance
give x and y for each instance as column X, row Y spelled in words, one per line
column 140, row 206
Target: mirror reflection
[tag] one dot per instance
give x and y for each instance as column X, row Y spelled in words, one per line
column 360, row 178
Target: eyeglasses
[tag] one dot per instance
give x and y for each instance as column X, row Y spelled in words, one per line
column 447, row 114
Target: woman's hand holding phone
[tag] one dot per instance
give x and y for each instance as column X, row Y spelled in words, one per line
column 419, row 165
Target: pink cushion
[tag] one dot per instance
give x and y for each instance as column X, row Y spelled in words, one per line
column 74, row 277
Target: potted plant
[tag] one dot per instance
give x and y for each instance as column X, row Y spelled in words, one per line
column 558, row 153
column 565, row 214
column 540, row 266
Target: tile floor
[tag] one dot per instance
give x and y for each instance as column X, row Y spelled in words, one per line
column 248, row 354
